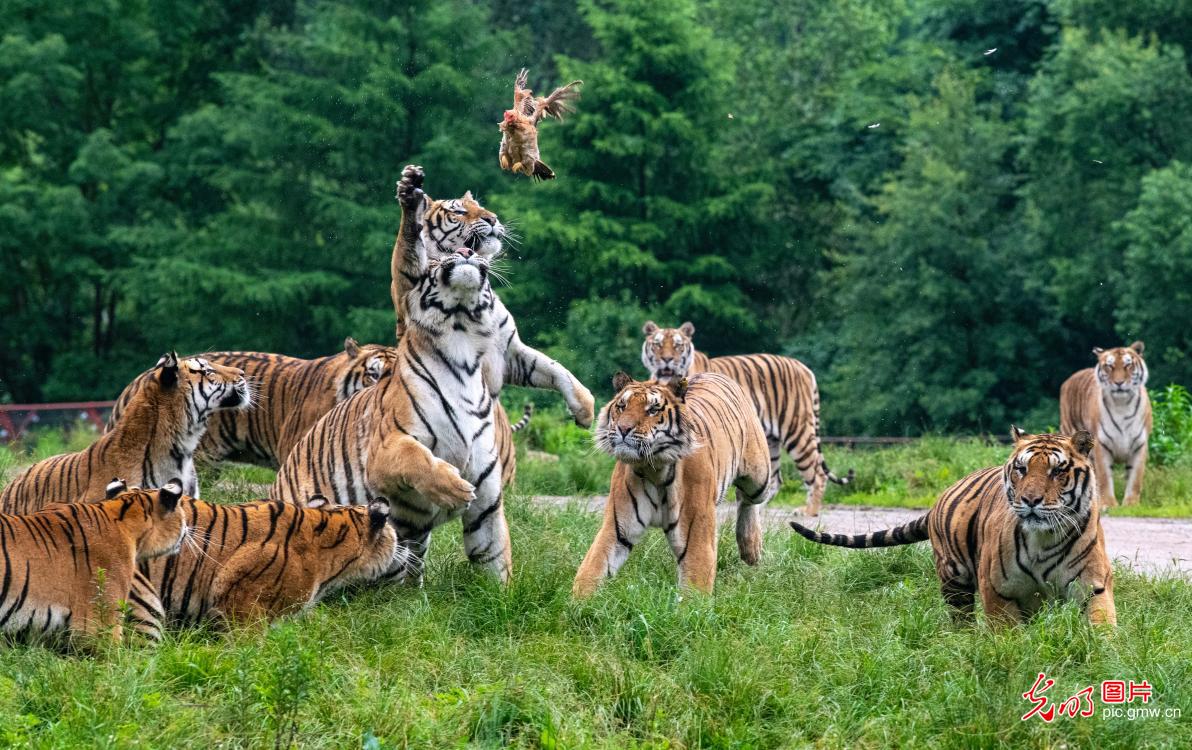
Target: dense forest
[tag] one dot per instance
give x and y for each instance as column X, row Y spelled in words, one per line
column 939, row 205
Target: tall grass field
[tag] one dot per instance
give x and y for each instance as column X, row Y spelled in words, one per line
column 815, row 647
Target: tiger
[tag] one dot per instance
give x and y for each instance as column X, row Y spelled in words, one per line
column 293, row 394
column 69, row 568
column 679, row 447
column 782, row 390
column 431, row 229
column 154, row 441
column 1020, row 534
column 423, row 437
column 260, row 560
column 1110, row 401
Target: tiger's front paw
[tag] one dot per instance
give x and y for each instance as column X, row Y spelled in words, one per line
column 582, row 406
column 446, row 488
column 409, row 187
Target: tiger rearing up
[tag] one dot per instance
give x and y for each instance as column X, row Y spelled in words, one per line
column 423, row 437
column 782, row 390
column 293, row 393
column 436, row 229
column 154, row 441
column 1018, row 534
column 1111, row 402
column 679, row 447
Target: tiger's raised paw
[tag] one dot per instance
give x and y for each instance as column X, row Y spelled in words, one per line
column 583, row 406
column 447, row 489
column 409, row 187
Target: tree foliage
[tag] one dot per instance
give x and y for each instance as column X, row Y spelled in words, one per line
column 940, row 205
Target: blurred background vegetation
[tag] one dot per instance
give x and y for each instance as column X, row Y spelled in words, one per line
column 939, row 205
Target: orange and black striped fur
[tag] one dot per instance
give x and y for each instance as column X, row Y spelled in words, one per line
column 69, row 568
column 154, row 441
column 263, row 560
column 292, row 394
column 1111, row 402
column 425, row 436
column 679, row 447
column 1018, row 534
column 782, row 390
column 431, row 230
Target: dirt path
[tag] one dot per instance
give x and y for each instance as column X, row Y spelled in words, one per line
column 1153, row 546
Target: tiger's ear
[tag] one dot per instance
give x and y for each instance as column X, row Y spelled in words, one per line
column 378, row 514
column 1017, row 434
column 687, row 329
column 114, row 488
column 620, row 380
column 351, row 347
column 1097, row 351
column 316, row 501
column 1082, row 441
column 167, row 369
column 468, row 196
column 169, row 495
column 1138, row 346
column 649, row 328
column 678, row 387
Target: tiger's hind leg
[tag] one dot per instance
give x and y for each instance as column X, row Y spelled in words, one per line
column 758, row 482
column 486, row 533
column 804, row 451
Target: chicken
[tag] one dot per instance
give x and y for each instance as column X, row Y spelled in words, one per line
column 519, row 128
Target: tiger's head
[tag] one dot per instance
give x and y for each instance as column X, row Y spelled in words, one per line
column 453, row 292
column 200, row 386
column 366, row 366
column 164, row 527
column 371, row 549
column 448, row 225
column 667, row 352
column 1121, row 371
column 1049, row 480
column 644, row 422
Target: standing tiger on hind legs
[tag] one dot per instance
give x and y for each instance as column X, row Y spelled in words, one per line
column 432, row 229
column 782, row 390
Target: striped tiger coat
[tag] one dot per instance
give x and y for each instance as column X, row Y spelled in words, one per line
column 423, row 437
column 436, row 229
column 1111, row 401
column 69, row 567
column 260, row 560
column 782, row 390
column 293, row 393
column 1018, row 534
column 155, row 441
column 679, row 448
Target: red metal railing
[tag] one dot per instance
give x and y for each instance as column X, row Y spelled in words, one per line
column 16, row 419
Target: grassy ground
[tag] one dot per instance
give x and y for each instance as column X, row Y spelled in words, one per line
column 816, row 647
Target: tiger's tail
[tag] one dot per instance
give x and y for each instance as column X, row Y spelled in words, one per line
column 527, row 412
column 846, row 479
column 908, row 533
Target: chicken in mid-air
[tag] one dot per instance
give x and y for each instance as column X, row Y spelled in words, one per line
column 519, row 128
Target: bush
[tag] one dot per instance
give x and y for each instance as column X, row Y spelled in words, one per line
column 1171, row 437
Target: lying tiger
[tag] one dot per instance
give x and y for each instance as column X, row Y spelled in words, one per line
column 1111, row 402
column 260, row 560
column 51, row 562
column 782, row 390
column 679, row 447
column 433, row 229
column 155, row 440
column 1018, row 534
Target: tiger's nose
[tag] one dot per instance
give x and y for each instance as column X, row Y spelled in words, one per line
column 1032, row 502
column 465, row 252
column 625, row 431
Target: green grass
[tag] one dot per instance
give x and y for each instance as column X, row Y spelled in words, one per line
column 816, row 647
